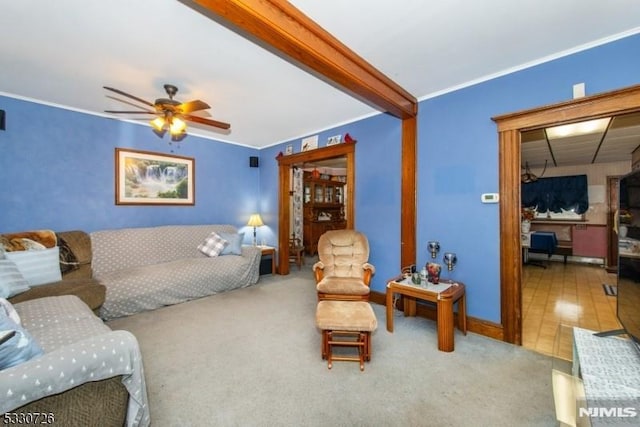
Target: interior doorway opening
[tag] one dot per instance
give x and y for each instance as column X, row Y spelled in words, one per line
column 510, row 128
column 346, row 154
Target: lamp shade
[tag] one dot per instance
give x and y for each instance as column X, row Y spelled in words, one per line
column 255, row 221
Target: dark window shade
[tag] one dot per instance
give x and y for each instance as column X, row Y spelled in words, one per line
column 557, row 193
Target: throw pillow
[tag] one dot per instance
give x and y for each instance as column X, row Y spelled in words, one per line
column 32, row 245
column 19, row 348
column 212, row 245
column 235, row 243
column 38, row 267
column 12, row 282
column 7, row 308
column 68, row 260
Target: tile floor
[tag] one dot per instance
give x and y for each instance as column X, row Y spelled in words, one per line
column 564, row 294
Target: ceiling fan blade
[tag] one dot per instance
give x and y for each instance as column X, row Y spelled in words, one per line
column 130, row 112
column 204, row 121
column 191, row 106
column 127, row 95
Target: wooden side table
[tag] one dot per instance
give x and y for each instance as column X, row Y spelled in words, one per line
column 444, row 304
column 270, row 250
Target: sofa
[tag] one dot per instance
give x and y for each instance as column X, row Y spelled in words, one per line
column 151, row 267
column 113, row 273
column 75, row 266
column 80, row 372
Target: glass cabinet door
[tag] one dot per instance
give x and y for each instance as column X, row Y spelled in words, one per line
column 328, row 196
column 319, row 194
column 307, row 193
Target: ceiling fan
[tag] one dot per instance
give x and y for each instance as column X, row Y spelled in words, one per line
column 529, row 176
column 171, row 115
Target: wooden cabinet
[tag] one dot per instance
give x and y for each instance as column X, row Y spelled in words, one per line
column 323, row 209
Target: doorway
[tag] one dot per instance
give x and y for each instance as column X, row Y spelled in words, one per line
column 510, row 127
column 285, row 164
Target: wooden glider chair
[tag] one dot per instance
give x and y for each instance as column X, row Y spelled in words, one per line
column 343, row 272
column 296, row 251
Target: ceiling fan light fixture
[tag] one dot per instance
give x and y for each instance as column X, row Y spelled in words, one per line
column 166, row 109
column 177, row 126
column 178, row 137
column 158, row 124
column 581, row 128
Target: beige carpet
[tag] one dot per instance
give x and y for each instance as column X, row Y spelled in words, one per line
column 251, row 357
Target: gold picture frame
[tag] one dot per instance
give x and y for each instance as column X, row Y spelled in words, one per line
column 148, row 178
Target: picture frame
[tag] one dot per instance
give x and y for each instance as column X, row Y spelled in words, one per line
column 148, row 178
column 288, row 150
column 309, row 143
column 333, row 140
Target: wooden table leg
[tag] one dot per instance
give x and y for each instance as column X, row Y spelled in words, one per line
column 389, row 304
column 462, row 314
column 273, row 263
column 409, row 304
column 445, row 325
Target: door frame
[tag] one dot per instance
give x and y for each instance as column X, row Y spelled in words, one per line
column 613, row 183
column 510, row 126
column 285, row 163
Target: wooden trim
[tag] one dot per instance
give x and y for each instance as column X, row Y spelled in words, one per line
column 510, row 126
column 287, row 32
column 510, row 258
column 600, row 105
column 408, row 193
column 285, row 163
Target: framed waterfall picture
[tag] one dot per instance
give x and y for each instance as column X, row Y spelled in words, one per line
column 147, row 178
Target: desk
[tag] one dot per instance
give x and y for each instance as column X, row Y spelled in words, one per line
column 444, row 304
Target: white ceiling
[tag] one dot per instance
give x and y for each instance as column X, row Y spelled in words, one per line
column 63, row 52
column 616, row 143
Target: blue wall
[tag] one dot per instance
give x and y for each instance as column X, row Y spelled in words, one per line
column 58, row 169
column 457, row 162
column 377, row 192
column 59, row 173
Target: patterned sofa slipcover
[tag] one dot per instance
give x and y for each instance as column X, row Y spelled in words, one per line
column 151, row 267
column 88, row 374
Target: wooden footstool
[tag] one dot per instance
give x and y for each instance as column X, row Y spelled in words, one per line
column 346, row 324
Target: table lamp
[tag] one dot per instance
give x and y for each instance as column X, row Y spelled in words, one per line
column 255, row 221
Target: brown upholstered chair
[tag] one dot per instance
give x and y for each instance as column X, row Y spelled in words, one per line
column 296, row 252
column 343, row 271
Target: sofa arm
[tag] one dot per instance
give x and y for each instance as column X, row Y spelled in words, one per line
column 103, row 402
column 90, row 291
column 115, row 353
column 251, row 251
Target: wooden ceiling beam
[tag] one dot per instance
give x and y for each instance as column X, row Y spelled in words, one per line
column 284, row 30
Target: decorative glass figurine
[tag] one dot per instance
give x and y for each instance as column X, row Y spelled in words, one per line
column 434, row 248
column 450, row 260
column 433, row 272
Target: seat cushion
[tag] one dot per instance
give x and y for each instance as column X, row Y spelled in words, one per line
column 342, row 286
column 346, row 316
column 90, row 291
